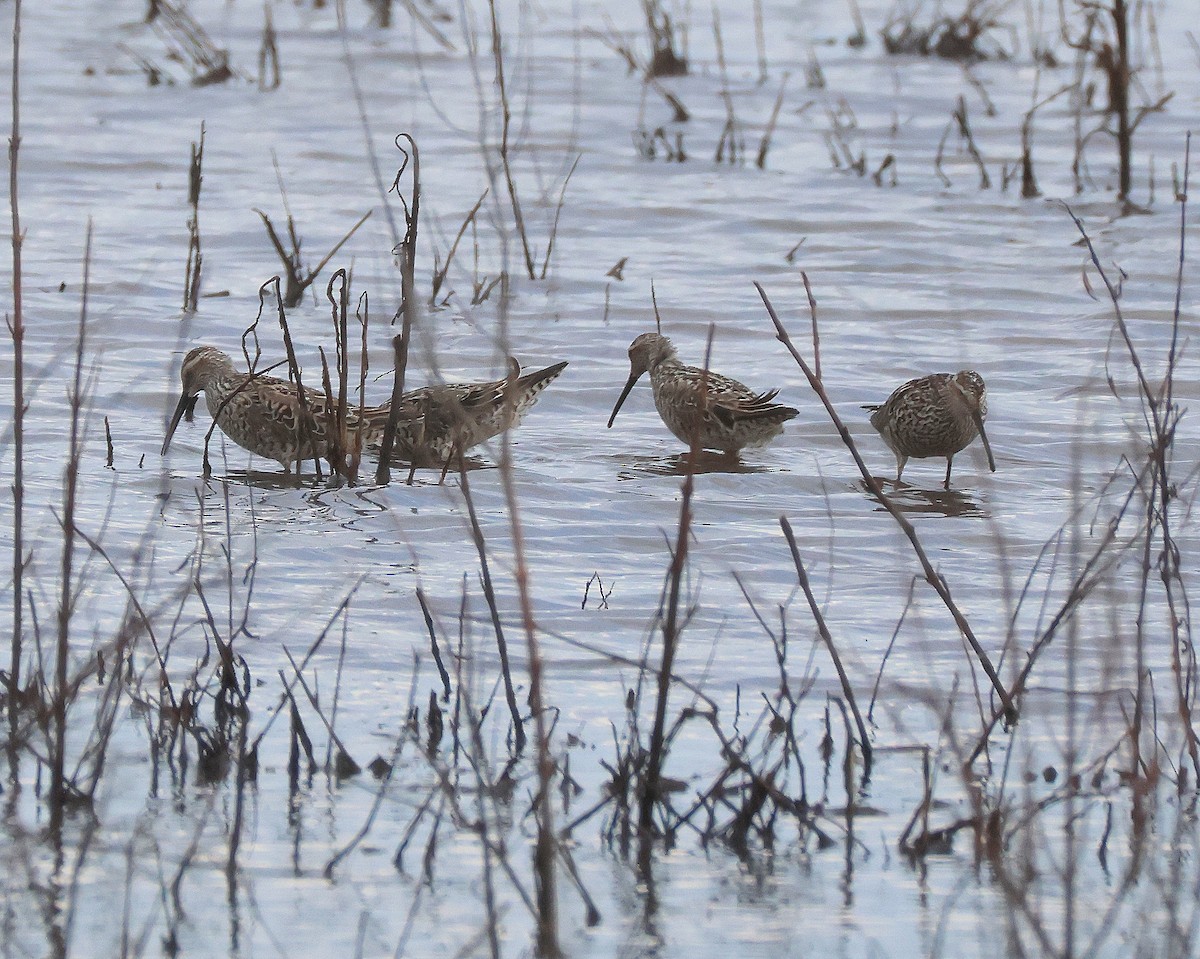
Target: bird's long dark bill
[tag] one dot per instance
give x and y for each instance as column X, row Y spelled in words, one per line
column 185, row 407
column 621, row 399
column 987, row 447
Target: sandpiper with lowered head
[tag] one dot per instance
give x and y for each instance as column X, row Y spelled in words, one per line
column 936, row 415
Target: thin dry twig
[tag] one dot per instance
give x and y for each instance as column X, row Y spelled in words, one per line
column 407, row 252
column 489, row 593
column 864, row 740
column 16, row 329
column 195, row 259
column 651, row 787
column 66, row 603
column 935, row 579
column 505, row 124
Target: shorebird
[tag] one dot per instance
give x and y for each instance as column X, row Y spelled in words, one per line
column 438, row 422
column 702, row 407
column 262, row 414
column 936, row 415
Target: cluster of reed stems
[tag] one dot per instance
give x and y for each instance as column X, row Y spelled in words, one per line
column 1101, row 36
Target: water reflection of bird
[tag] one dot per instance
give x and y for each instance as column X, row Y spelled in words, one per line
column 263, row 414
column 699, row 406
column 936, row 415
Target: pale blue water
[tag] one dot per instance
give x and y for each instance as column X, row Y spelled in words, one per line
column 909, row 280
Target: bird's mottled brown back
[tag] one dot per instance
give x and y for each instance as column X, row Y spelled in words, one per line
column 715, row 411
column 436, row 422
column 932, row 416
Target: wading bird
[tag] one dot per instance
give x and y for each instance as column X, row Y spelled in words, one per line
column 263, row 414
column 936, row 415
column 699, row 406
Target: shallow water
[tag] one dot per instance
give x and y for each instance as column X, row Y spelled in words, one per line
column 908, row 279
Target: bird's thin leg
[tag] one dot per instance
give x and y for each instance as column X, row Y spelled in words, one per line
column 949, row 461
column 900, row 461
column 453, row 456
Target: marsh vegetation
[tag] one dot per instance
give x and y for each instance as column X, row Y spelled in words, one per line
column 587, row 691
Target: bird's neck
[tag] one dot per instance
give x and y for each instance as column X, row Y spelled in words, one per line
column 669, row 361
column 219, row 386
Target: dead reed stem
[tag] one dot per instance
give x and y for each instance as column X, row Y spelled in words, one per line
column 932, row 576
column 345, row 765
column 1090, row 575
column 364, row 121
column 489, row 593
column 1114, row 61
column 384, row 781
column 268, row 54
column 505, row 123
column 344, row 451
column 195, row 259
column 730, row 132
column 680, row 112
column 191, row 44
column 1029, row 187
column 545, row 855
column 407, row 251
column 363, row 313
column 562, row 196
column 848, row 690
column 440, row 272
column 316, row 644
column 433, row 645
column 859, row 37
column 230, row 702
column 664, row 60
column 1081, row 46
column 1161, row 415
column 489, row 882
column 816, row 333
column 297, row 279
column 304, row 422
column 760, row 42
column 1166, row 392
column 765, row 144
column 1120, row 75
column 16, row 329
column 964, row 130
column 651, row 786
column 66, row 601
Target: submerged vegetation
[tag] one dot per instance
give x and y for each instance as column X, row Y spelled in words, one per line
column 157, row 752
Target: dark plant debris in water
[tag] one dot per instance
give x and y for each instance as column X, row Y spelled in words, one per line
column 924, row 30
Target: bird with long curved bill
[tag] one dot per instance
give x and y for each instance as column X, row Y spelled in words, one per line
column 701, row 407
column 264, row 415
column 936, row 415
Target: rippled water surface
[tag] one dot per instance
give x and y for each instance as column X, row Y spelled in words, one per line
column 908, row 278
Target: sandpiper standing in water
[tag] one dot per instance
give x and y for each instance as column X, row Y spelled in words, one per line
column 438, row 422
column 262, row 413
column 699, row 406
column 936, row 415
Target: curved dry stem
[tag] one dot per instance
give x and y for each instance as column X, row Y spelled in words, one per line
column 935, row 579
